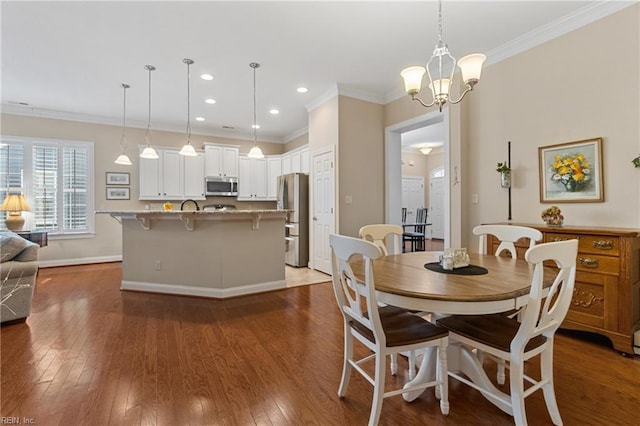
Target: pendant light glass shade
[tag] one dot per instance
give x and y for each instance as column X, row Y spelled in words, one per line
column 255, row 152
column 123, row 159
column 188, row 149
column 148, row 152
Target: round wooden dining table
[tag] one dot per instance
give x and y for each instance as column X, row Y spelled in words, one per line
column 403, row 280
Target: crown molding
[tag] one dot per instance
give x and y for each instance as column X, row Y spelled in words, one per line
column 31, row 111
column 330, row 93
column 295, row 134
column 362, row 95
column 543, row 34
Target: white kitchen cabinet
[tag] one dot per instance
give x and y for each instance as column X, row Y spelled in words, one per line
column 286, row 164
column 194, row 177
column 295, row 161
column 221, row 161
column 252, row 179
column 304, row 160
column 172, row 176
column 274, row 169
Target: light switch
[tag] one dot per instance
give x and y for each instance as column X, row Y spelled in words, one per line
column 474, row 199
column 348, row 199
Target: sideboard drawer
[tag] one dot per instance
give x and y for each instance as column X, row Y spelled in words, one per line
column 599, row 264
column 607, row 245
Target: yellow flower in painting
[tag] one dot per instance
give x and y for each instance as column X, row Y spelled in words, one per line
column 572, row 170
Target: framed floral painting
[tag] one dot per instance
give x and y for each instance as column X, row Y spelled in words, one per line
column 571, row 172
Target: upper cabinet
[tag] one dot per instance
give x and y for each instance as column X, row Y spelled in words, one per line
column 296, row 161
column 252, row 182
column 221, row 160
column 172, row 176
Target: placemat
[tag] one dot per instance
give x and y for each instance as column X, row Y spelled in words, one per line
column 465, row 270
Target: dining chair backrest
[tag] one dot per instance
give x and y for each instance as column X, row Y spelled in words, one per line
column 508, row 235
column 356, row 299
column 386, row 237
column 421, row 219
column 404, row 215
column 544, row 318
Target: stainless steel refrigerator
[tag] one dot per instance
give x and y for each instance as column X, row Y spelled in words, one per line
column 293, row 194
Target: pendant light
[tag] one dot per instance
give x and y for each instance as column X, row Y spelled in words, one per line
column 255, row 152
column 148, row 152
column 123, row 159
column 188, row 149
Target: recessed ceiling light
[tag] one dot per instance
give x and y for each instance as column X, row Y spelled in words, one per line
column 274, row 111
column 302, row 90
column 255, row 126
column 210, row 101
column 199, row 118
column 206, row 77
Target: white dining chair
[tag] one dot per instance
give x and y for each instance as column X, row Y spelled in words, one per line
column 384, row 330
column 388, row 239
column 508, row 236
column 518, row 341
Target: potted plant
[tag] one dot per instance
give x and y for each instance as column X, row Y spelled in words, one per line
column 636, row 161
column 505, row 174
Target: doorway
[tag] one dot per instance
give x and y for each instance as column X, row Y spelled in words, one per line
column 393, row 179
column 323, row 208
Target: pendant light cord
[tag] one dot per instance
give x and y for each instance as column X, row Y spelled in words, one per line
column 255, row 122
column 148, row 131
column 124, row 115
column 188, row 62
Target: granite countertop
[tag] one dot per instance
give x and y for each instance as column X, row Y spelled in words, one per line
column 196, row 212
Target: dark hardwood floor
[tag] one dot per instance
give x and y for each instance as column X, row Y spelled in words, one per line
column 91, row 354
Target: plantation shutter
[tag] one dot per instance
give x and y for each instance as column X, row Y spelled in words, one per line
column 45, row 183
column 75, row 188
column 11, row 172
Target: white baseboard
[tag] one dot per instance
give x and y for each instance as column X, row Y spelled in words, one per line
column 217, row 293
column 80, row 261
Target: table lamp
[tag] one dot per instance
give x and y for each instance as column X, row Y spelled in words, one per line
column 15, row 204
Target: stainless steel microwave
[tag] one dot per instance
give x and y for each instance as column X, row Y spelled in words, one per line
column 221, row 186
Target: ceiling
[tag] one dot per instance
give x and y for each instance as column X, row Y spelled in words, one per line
column 68, row 59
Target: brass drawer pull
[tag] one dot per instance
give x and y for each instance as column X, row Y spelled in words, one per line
column 588, row 262
column 603, row 244
column 556, row 239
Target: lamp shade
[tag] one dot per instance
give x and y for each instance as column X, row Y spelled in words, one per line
column 15, row 203
column 471, row 67
column 412, row 77
column 123, row 160
column 440, row 88
column 149, row 153
column 188, row 150
column 255, row 152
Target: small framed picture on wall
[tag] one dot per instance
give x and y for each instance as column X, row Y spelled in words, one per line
column 116, row 193
column 117, row 178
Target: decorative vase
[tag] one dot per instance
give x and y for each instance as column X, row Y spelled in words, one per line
column 554, row 220
column 505, row 179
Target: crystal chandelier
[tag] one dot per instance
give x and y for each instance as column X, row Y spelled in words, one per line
column 440, row 70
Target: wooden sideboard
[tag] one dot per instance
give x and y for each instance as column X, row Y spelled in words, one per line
column 606, row 298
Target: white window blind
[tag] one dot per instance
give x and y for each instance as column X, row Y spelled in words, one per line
column 57, row 179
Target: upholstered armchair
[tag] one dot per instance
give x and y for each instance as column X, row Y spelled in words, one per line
column 18, row 270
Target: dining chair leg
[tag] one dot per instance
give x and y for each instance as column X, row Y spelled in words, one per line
column 516, row 380
column 346, row 366
column 546, row 370
column 378, row 390
column 394, row 364
column 443, row 376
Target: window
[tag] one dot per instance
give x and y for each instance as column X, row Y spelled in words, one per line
column 57, row 179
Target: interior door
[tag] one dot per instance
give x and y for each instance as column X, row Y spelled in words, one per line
column 412, row 195
column 323, row 223
column 436, row 211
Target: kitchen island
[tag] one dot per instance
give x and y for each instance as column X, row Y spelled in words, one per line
column 215, row 254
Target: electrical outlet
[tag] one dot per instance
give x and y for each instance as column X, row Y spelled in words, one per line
column 158, row 265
